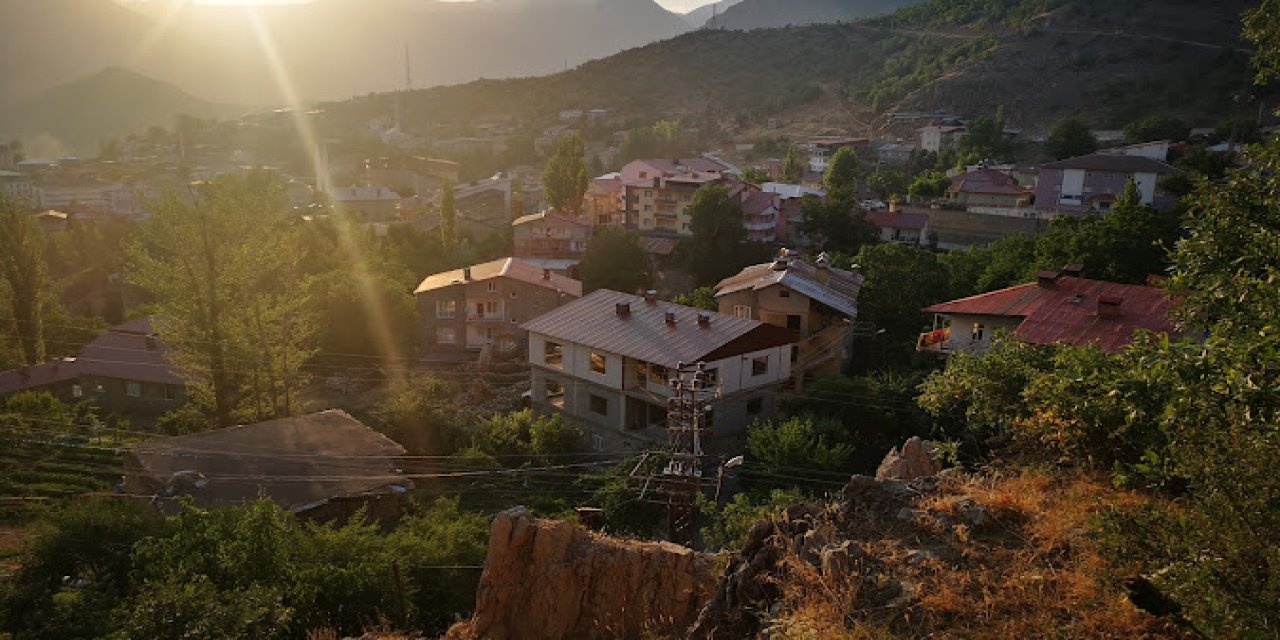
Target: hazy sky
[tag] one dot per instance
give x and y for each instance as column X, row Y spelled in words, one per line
column 683, row 5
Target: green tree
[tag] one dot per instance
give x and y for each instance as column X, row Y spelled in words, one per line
column 226, row 275
column 798, row 443
column 715, row 250
column 842, row 176
column 835, row 225
column 25, row 279
column 928, row 186
column 1156, row 128
column 793, row 165
column 564, row 180
column 755, row 175
column 448, row 215
column 614, row 260
column 900, row 281
column 984, row 139
column 1129, row 244
column 1070, row 138
column 700, row 298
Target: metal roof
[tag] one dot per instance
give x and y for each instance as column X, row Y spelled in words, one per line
column 513, row 268
column 898, row 219
column 840, row 291
column 296, row 462
column 1112, row 163
column 37, row 376
column 1066, row 311
column 129, row 351
column 644, row 334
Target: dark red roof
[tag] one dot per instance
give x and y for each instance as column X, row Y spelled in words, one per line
column 1067, row 311
column 898, row 219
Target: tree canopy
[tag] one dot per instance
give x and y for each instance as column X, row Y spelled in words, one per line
column 564, row 180
column 614, row 260
column 1070, row 138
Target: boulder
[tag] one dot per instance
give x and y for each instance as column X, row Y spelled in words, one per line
column 917, row 459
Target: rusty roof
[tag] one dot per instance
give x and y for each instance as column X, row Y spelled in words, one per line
column 1067, row 311
column 297, row 462
column 644, row 334
column 839, row 291
column 512, row 268
column 898, row 219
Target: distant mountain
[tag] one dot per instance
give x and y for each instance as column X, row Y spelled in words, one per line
column 75, row 117
column 326, row 49
column 769, row 14
column 699, row 17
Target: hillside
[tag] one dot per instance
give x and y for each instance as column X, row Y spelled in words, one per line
column 769, row 14
column 699, row 17
column 347, row 48
column 1039, row 59
column 75, row 117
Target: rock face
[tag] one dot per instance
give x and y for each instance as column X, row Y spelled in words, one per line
column 917, row 459
column 551, row 579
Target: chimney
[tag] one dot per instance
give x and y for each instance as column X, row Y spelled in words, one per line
column 650, row 296
column 1109, row 306
column 546, row 274
column 466, row 274
column 822, row 270
column 1047, row 279
column 623, row 309
column 704, row 319
column 670, row 317
column 1075, row 270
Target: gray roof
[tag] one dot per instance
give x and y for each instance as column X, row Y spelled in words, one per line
column 644, row 334
column 1112, row 163
column 297, row 462
column 839, row 291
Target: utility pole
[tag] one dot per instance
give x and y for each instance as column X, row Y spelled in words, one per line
column 688, row 421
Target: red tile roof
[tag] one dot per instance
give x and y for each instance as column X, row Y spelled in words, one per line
column 1067, row 311
column 898, row 219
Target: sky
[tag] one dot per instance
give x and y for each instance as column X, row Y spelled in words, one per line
column 682, row 6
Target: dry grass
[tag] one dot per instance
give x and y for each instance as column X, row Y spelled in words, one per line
column 1032, row 572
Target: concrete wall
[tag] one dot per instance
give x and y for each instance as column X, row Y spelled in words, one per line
column 962, row 331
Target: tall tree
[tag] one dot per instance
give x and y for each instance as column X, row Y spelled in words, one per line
column 448, row 215
column 1070, row 138
column 835, row 224
column 26, row 278
column 564, row 181
column 614, row 260
column 715, row 251
column 983, row 139
column 793, row 165
column 843, row 173
column 230, row 295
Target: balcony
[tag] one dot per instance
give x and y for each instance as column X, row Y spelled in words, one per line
column 760, row 226
column 487, row 318
column 936, row 341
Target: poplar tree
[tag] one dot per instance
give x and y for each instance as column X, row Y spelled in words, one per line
column 25, row 278
column 564, row 181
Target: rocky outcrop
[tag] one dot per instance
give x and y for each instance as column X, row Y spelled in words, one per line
column 552, row 579
column 917, row 459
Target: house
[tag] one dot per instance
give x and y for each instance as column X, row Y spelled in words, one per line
column 900, row 226
column 571, row 115
column 18, row 187
column 1057, row 308
column 816, row 302
column 124, row 369
column 1092, row 182
column 986, row 190
column 606, row 359
column 53, row 221
column 367, row 204
column 790, row 213
column 604, row 203
column 761, row 212
column 937, row 137
column 641, row 170
column 895, row 153
column 465, row 310
column 545, row 144
column 127, row 368
column 483, row 207
column 550, row 235
column 659, row 205
column 823, row 148
column 323, row 466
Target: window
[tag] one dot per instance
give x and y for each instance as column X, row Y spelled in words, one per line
column 712, row 377
column 513, row 295
column 784, row 293
column 793, row 322
column 755, row 406
column 644, row 174
column 597, row 442
column 598, row 405
column 446, row 335
column 978, row 331
column 648, row 208
column 760, row 366
column 742, row 311
column 77, row 391
column 446, row 309
column 99, row 388
column 133, row 389
column 555, row 394
column 493, row 287
column 648, row 194
column 599, row 363
column 658, row 374
column 553, row 354
column 170, row 392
